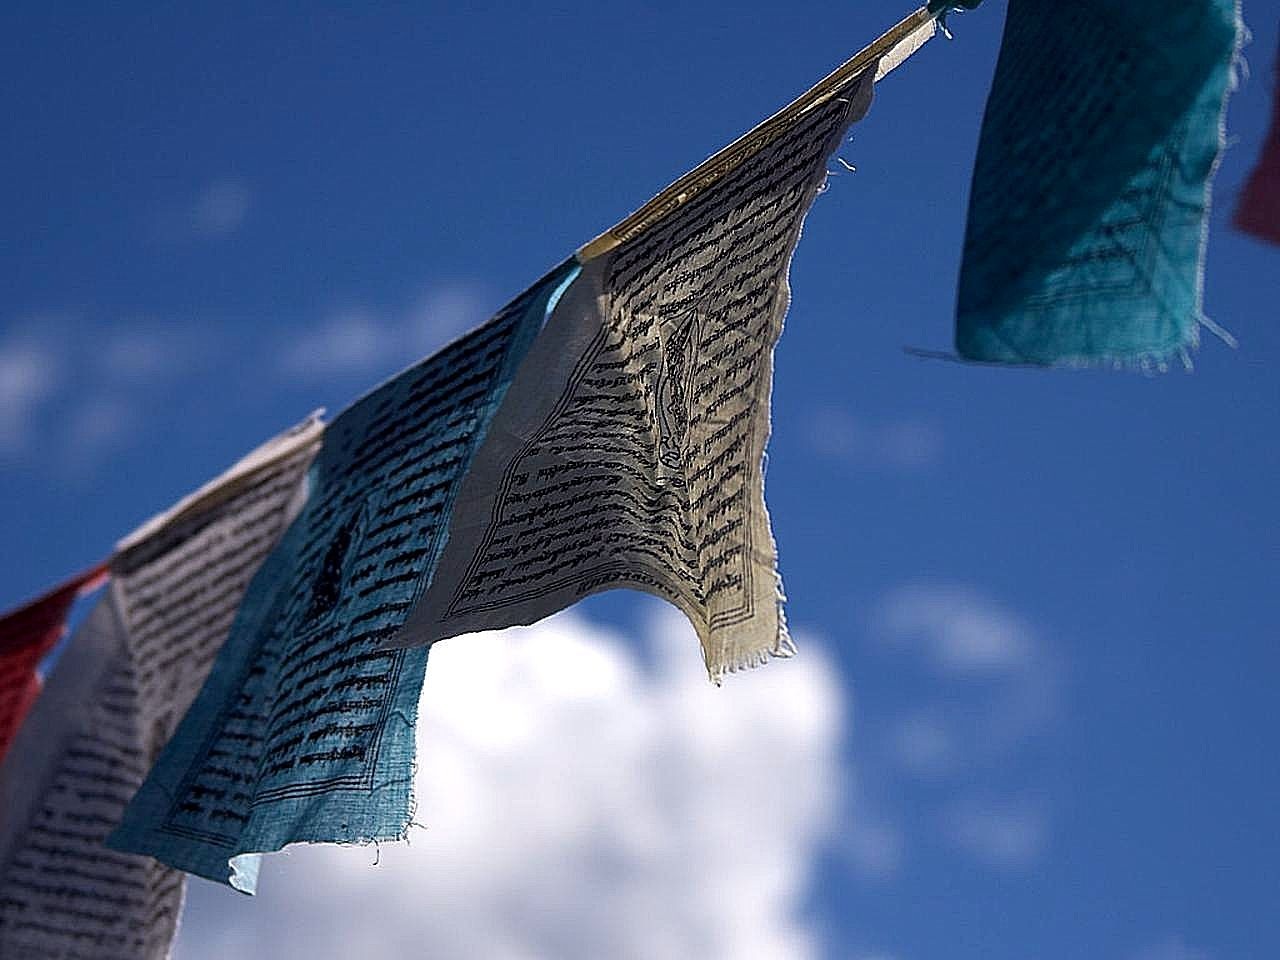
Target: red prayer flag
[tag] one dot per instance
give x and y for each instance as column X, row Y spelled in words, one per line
column 26, row 635
column 1258, row 212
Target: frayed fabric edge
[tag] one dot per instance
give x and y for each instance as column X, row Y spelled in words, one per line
column 784, row 646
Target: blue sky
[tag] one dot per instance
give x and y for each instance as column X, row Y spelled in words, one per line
column 1033, row 714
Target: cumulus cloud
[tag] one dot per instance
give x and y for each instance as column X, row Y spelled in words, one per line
column 28, row 376
column 580, row 801
column 900, row 444
column 362, row 342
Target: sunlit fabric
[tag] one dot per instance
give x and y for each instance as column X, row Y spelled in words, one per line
column 1258, row 211
column 26, row 635
column 1090, row 193
column 305, row 729
column 630, row 451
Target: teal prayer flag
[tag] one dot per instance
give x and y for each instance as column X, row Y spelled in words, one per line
column 304, row 730
column 1087, row 214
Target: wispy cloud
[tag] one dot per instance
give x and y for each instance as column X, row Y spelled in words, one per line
column 362, row 341
column 218, row 209
column 575, row 799
column 351, row 342
column 68, row 400
column 960, row 631
column 962, row 635
column 29, row 373
column 925, row 743
column 988, row 686
column 1007, row 835
column 897, row 444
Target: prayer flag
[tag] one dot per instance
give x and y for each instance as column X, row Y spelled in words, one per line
column 1087, row 215
column 1258, row 211
column 305, row 728
column 112, row 703
column 26, row 635
column 630, row 449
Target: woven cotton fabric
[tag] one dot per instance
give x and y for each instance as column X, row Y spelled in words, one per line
column 305, row 729
column 112, row 702
column 630, row 452
column 1090, row 194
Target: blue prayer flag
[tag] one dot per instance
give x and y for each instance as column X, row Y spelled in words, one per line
column 305, row 728
column 1090, row 193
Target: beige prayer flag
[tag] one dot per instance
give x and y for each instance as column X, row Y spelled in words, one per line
column 629, row 450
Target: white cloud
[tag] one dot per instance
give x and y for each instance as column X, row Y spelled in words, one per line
column 962, row 632
column 75, row 427
column 442, row 315
column 579, row 804
column 961, row 635
column 351, row 342
column 902, row 444
column 994, row 686
column 1009, row 836
column 361, row 341
column 28, row 376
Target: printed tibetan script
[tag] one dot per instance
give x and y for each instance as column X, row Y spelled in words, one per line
column 304, row 731
column 629, row 451
column 113, row 702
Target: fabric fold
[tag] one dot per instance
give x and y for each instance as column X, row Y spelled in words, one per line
column 112, row 703
column 630, row 451
column 304, row 730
